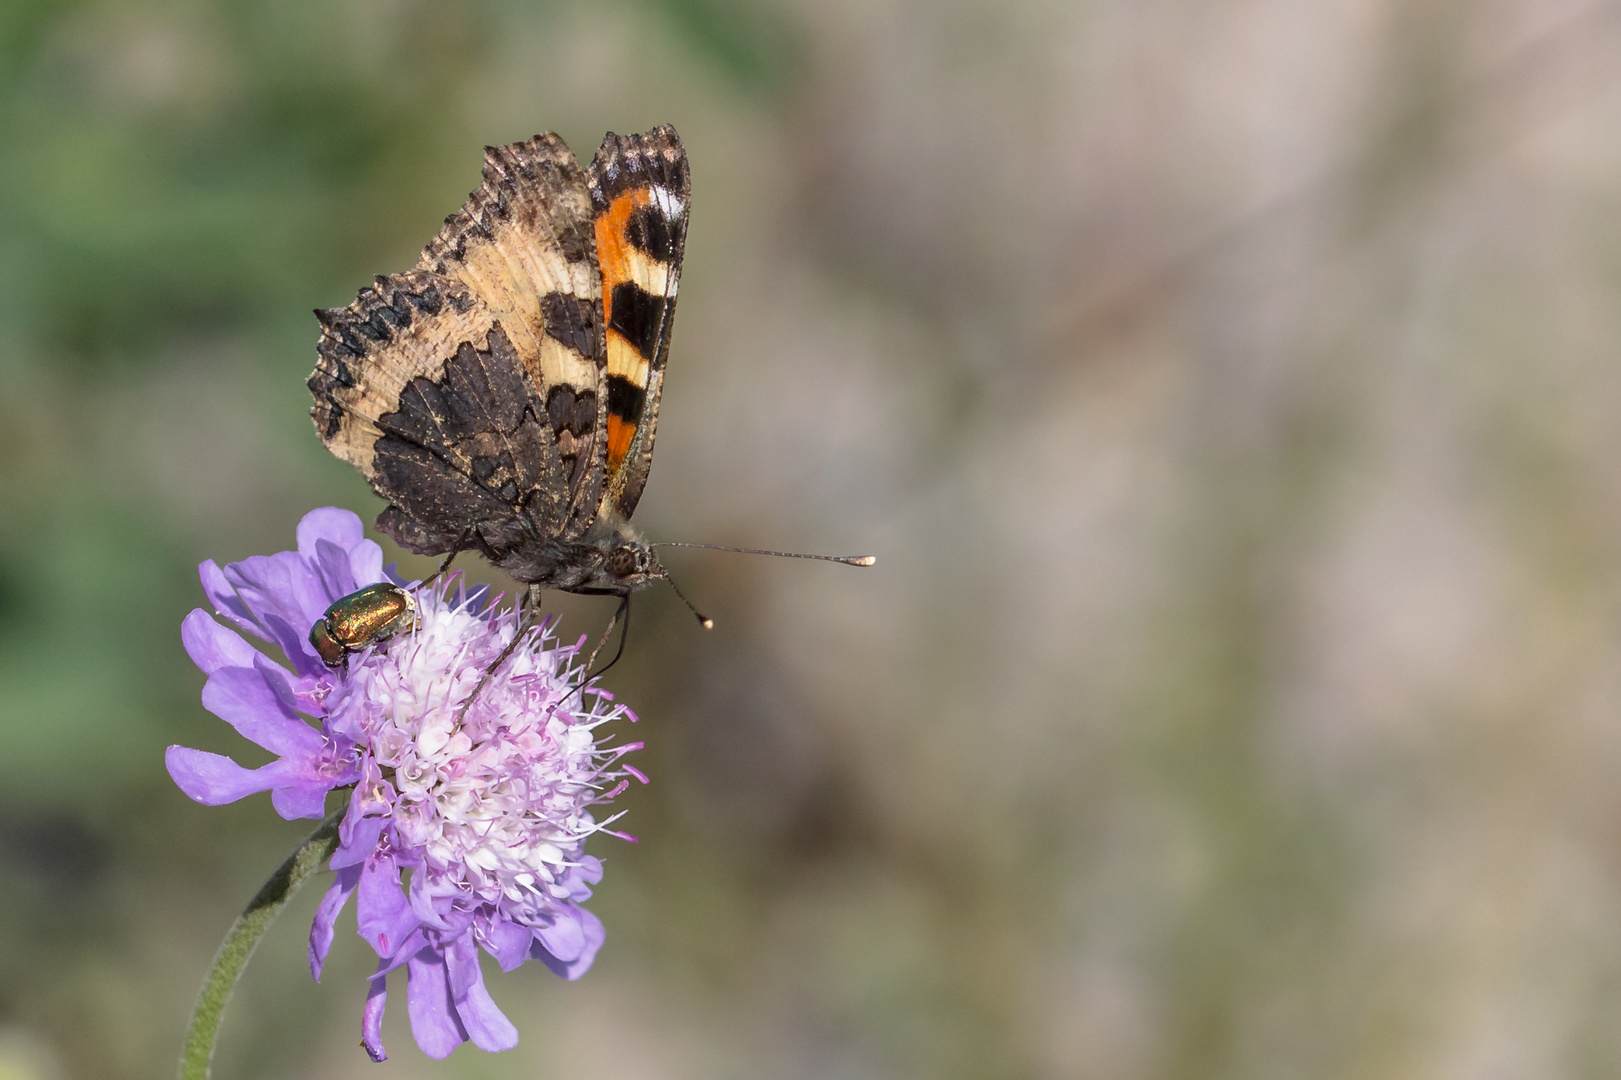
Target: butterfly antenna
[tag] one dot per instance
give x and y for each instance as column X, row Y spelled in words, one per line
column 703, row 620
column 848, row 560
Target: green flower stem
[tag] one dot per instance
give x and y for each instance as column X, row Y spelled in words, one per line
column 244, row 936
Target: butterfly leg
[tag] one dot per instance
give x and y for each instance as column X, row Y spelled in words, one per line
column 461, row 545
column 624, row 610
column 532, row 614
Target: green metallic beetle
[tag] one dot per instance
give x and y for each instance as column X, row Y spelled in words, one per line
column 361, row 619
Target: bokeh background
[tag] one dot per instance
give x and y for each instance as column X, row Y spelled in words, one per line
column 1228, row 389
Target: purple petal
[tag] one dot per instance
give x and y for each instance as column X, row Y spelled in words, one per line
column 414, row 943
column 434, row 1022
column 384, row 916
column 279, row 682
column 326, row 917
column 212, row 646
column 224, row 598
column 426, row 903
column 591, row 927
column 371, row 1019
column 564, row 939
column 295, row 644
column 331, row 562
column 506, row 941
column 461, row 965
column 213, row 779
column 332, row 524
column 486, row 1025
column 366, row 564
column 358, row 836
column 304, row 799
column 278, row 584
column 458, row 920
column 248, row 700
column 580, row 878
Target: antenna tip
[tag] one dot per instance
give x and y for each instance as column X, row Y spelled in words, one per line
column 863, row 560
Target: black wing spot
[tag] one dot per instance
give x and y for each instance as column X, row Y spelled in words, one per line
column 335, row 373
column 585, row 413
column 651, row 231
column 572, row 320
column 400, row 306
column 559, row 407
column 625, row 398
column 383, row 322
column 638, row 315
column 571, row 412
column 333, row 419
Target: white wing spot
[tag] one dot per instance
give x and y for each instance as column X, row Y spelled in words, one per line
column 668, row 202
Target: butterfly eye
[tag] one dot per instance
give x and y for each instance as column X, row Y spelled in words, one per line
column 622, row 562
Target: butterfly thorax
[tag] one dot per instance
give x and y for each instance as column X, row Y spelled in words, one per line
column 609, row 559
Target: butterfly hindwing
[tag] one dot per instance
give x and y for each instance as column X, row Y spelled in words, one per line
column 640, row 189
column 390, row 400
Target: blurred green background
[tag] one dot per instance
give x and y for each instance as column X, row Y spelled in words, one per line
column 1229, row 390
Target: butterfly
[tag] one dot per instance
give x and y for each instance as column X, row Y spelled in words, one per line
column 503, row 394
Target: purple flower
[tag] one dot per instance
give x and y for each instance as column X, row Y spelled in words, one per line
column 489, row 814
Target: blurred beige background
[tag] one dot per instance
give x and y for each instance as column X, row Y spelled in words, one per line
column 1229, row 391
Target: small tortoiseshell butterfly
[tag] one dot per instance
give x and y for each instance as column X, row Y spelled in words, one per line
column 503, row 394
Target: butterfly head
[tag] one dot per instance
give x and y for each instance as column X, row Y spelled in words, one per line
column 631, row 564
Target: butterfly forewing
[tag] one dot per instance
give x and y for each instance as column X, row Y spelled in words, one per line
column 640, row 190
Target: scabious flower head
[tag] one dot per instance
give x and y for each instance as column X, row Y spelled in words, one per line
column 488, row 812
